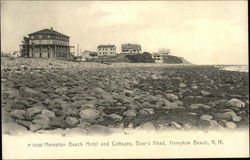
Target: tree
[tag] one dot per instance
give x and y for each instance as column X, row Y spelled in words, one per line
column 25, row 47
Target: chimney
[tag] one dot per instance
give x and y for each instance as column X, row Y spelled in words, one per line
column 51, row 28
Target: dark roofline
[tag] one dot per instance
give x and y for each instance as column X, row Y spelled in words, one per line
column 106, row 46
column 49, row 31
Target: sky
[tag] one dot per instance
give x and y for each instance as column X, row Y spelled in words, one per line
column 209, row 32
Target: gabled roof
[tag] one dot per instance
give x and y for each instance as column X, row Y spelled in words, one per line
column 48, row 31
column 106, row 46
column 131, row 46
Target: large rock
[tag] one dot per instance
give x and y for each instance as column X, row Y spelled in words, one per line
column 20, row 114
column 70, row 111
column 115, row 116
column 172, row 97
column 35, row 127
column 48, row 113
column 182, row 85
column 58, row 122
column 33, row 111
column 89, row 114
column 205, row 93
column 230, row 115
column 71, row 121
column 236, row 103
column 24, row 123
column 199, row 105
column 214, row 125
column 230, row 125
column 130, row 113
column 206, row 117
column 105, row 95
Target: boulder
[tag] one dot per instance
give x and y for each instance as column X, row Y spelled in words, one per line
column 214, row 125
column 35, row 127
column 230, row 125
column 172, row 97
column 48, row 113
column 130, row 113
column 89, row 114
column 143, row 112
column 41, row 116
column 205, row 93
column 115, row 116
column 58, row 122
column 194, row 87
column 20, row 114
column 206, row 117
column 199, row 105
column 236, row 103
column 149, row 110
column 24, row 123
column 70, row 112
column 44, row 123
column 230, row 115
column 71, row 121
column 33, row 111
column 182, row 85
column 29, row 91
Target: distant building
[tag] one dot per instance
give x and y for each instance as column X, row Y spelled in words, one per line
column 16, row 54
column 46, row 43
column 106, row 50
column 164, row 51
column 158, row 57
column 130, row 48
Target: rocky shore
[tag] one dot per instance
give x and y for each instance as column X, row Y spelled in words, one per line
column 54, row 96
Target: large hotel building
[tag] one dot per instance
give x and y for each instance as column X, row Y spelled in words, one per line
column 46, row 43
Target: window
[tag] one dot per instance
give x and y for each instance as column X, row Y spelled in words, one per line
column 48, row 36
column 40, row 36
column 32, row 37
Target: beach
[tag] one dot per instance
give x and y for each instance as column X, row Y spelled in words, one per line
column 47, row 96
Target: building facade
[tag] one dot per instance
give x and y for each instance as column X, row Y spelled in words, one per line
column 158, row 57
column 106, row 50
column 47, row 43
column 131, row 48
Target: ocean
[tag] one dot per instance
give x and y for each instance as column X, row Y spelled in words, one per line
column 239, row 68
